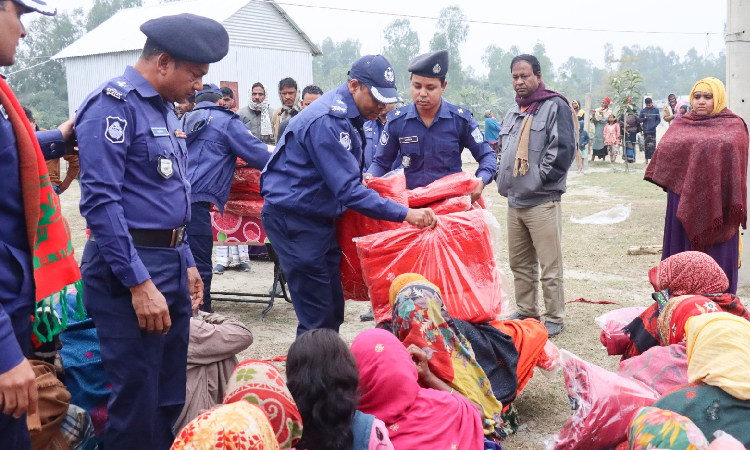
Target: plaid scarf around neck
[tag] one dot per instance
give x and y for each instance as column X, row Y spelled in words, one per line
column 533, row 102
column 48, row 233
column 265, row 117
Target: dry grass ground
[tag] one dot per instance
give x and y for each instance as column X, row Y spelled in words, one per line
column 597, row 267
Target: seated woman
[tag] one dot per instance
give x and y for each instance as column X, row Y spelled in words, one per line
column 707, row 145
column 657, row 428
column 416, row 417
column 214, row 341
column 261, row 384
column 420, row 319
column 718, row 347
column 323, row 379
column 236, row 426
column 685, row 275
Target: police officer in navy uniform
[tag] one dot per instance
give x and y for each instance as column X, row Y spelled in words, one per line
column 373, row 132
column 431, row 133
column 18, row 390
column 313, row 177
column 138, row 271
column 216, row 137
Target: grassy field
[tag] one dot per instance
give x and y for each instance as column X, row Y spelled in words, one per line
column 597, row 267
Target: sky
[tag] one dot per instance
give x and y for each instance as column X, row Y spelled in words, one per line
column 670, row 16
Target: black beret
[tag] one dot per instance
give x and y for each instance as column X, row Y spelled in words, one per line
column 431, row 65
column 189, row 37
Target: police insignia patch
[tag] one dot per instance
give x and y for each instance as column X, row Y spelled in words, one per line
column 389, row 75
column 114, row 93
column 384, row 138
column 115, row 132
column 477, row 135
column 436, row 69
column 122, row 84
column 345, row 140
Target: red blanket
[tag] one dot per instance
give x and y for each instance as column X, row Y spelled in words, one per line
column 354, row 225
column 455, row 185
column 457, row 256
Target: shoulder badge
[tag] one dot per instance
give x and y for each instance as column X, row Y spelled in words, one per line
column 477, row 135
column 112, row 92
column 384, row 138
column 345, row 140
column 115, row 132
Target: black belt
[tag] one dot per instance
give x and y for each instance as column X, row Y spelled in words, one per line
column 156, row 238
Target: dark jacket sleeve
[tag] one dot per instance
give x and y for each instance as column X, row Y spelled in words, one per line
column 561, row 148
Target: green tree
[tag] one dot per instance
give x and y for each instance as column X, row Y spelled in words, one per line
column 402, row 45
column 46, row 82
column 330, row 69
column 498, row 79
column 452, row 31
column 104, row 9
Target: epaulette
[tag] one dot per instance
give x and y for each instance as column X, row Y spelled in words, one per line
column 118, row 88
column 460, row 111
column 396, row 113
column 338, row 108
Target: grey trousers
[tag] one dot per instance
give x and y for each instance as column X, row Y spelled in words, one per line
column 534, row 241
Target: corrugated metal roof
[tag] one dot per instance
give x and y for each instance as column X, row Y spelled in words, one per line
column 121, row 32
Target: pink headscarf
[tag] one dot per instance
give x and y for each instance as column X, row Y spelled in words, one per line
column 416, row 417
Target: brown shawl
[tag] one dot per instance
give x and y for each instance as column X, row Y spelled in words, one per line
column 54, row 401
column 703, row 159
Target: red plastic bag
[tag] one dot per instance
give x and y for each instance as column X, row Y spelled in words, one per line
column 454, row 185
column 659, row 368
column 246, row 175
column 457, row 256
column 451, row 205
column 245, row 208
column 613, row 338
column 603, row 405
column 353, row 225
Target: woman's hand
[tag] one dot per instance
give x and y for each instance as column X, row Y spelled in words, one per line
column 420, row 360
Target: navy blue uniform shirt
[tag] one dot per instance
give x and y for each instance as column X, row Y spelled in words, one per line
column 216, row 138
column 316, row 168
column 133, row 161
column 429, row 154
column 17, row 295
column 373, row 130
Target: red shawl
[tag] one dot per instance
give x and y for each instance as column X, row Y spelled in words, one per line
column 703, row 159
column 47, row 230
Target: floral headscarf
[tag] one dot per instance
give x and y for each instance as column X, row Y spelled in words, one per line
column 420, row 318
column 654, row 428
column 239, row 426
column 261, row 384
column 673, row 319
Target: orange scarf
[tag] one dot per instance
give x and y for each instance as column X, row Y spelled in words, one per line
column 47, row 230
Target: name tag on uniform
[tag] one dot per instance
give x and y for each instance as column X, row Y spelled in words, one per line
column 408, row 139
column 165, row 167
column 159, row 132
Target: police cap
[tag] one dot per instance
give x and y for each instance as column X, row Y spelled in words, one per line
column 210, row 93
column 375, row 72
column 430, row 65
column 189, row 37
column 36, row 6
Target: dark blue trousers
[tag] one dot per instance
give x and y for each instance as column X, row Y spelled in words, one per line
column 147, row 371
column 201, row 242
column 309, row 256
column 14, row 433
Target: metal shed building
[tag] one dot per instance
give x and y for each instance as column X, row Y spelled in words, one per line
column 264, row 45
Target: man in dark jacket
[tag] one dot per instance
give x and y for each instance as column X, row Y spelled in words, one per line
column 649, row 119
column 539, row 144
